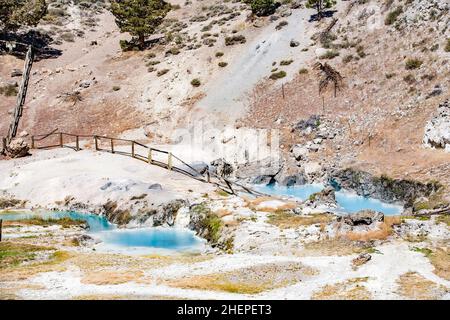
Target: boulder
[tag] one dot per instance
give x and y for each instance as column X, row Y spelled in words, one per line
column 263, row 179
column 326, row 198
column 363, row 217
column 155, row 186
column 17, row 148
column 312, row 122
column 299, row 152
column 360, row 260
column 437, row 130
column 294, row 43
column 222, row 168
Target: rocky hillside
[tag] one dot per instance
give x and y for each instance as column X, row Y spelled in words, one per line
column 213, row 60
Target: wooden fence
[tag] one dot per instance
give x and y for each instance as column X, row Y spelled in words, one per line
column 139, row 151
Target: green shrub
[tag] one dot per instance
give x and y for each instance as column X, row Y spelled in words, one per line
column 286, row 62
column 162, row 72
column 262, row 7
column 278, row 75
column 223, row 64
column 219, row 54
column 229, row 41
column 447, row 46
column 347, row 58
column 115, row 88
column 196, row 82
column 303, row 71
column 9, row 90
column 393, row 15
column 330, row 54
column 413, row 63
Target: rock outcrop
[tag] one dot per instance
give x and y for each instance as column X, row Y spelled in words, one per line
column 18, row 148
column 324, row 198
column 437, row 130
column 363, row 217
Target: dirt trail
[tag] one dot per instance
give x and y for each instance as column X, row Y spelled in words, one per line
column 227, row 96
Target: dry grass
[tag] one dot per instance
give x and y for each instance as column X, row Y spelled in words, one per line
column 38, row 221
column 443, row 219
column 285, row 220
column 384, row 231
column 251, row 280
column 255, row 204
column 414, row 286
column 338, row 246
column 351, row 289
column 112, row 277
column 440, row 259
column 122, row 297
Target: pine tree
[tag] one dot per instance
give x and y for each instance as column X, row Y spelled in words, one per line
column 262, row 7
column 139, row 17
column 320, row 5
column 17, row 13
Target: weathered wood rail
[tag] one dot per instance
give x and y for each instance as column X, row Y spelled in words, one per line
column 139, row 151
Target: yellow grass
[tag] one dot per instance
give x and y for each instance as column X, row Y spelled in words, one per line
column 111, row 277
column 440, row 259
column 250, row 280
column 384, row 231
column 338, row 246
column 351, row 289
column 285, row 220
column 414, row 286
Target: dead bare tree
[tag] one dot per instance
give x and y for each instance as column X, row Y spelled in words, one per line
column 328, row 75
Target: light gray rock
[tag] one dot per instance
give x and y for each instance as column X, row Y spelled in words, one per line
column 300, row 152
column 363, row 217
column 18, row 148
column 437, row 130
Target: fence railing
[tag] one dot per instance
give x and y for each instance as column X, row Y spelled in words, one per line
column 139, row 151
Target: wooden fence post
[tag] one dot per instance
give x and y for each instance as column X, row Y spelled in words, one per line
column 3, row 149
column 32, row 142
column 1, row 225
column 150, row 156
column 77, row 143
column 96, row 143
column 208, row 176
column 132, row 149
column 112, row 145
column 61, row 139
column 169, row 161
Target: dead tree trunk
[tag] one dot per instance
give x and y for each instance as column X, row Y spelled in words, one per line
column 12, row 131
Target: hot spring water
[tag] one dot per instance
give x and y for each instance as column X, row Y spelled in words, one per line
column 348, row 202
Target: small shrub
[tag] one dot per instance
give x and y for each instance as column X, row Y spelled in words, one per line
column 68, row 37
column 281, row 24
column 115, row 88
column 162, row 72
column 413, row 63
column 286, row 62
column 390, row 75
column 360, row 51
column 303, row 71
column 393, row 15
column 9, row 90
column 447, row 46
column 347, row 58
column 230, row 41
column 330, row 54
column 196, row 83
column 223, row 64
column 173, row 51
column 219, row 54
column 278, row 75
